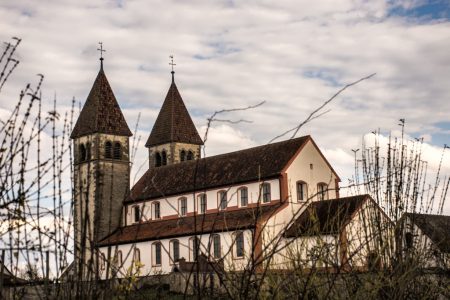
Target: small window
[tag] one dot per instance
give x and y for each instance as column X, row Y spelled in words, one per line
column 322, row 191
column 82, row 152
column 163, row 158
column 137, row 213
column 175, row 250
column 137, row 255
column 223, row 202
column 156, row 210
column 301, row 191
column 239, row 244
column 157, row 252
column 194, row 248
column 182, row 155
column 117, row 151
column 182, row 206
column 409, row 240
column 216, row 246
column 190, row 155
column 243, row 196
column 88, row 151
column 202, row 203
column 266, row 192
column 158, row 160
column 108, row 150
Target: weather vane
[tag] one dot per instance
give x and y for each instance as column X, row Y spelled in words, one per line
column 101, row 53
column 172, row 64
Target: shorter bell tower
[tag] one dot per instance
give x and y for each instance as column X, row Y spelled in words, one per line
column 174, row 138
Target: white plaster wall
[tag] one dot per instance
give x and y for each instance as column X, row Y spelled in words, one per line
column 169, row 205
column 146, row 251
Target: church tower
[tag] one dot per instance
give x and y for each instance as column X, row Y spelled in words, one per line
column 174, row 138
column 101, row 172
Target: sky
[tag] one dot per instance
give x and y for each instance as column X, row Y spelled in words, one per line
column 294, row 55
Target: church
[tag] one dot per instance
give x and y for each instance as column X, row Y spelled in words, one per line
column 250, row 207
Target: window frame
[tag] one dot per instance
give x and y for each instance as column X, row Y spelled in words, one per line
column 136, row 255
column 265, row 192
column 239, row 243
column 322, row 194
column 108, row 148
column 174, row 259
column 117, row 151
column 243, row 188
column 163, row 158
column 181, row 201
column 202, row 207
column 182, row 155
column 217, row 249
column 137, row 215
column 304, row 193
column 194, row 248
column 83, row 153
column 158, row 159
column 156, row 246
column 222, row 197
column 190, row 155
column 155, row 205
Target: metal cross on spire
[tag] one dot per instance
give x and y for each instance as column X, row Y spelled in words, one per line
column 172, row 64
column 101, row 53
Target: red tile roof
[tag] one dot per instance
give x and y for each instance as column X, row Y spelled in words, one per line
column 325, row 217
column 240, row 219
column 101, row 112
column 173, row 124
column 258, row 163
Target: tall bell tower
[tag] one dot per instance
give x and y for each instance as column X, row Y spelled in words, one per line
column 101, row 173
column 174, row 138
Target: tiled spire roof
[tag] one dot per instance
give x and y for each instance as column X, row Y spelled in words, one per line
column 101, row 112
column 173, row 124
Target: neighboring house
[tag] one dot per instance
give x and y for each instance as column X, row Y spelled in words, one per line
column 426, row 238
column 350, row 233
column 226, row 207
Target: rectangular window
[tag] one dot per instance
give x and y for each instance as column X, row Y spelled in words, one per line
column 157, row 253
column 183, row 207
column 243, row 196
column 137, row 214
column 266, row 192
column 240, row 244
column 223, row 200
column 301, row 191
column 202, row 204
column 157, row 210
column 322, row 191
column 216, row 246
column 176, row 251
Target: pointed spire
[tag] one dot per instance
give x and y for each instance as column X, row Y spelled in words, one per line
column 101, row 112
column 173, row 124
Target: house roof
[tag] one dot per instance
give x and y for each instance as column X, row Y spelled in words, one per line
column 101, row 112
column 436, row 227
column 173, row 124
column 212, row 222
column 258, row 163
column 325, row 217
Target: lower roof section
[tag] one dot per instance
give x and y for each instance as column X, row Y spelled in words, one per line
column 240, row 219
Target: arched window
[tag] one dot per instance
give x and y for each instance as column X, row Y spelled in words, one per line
column 157, row 255
column 239, row 245
column 163, row 158
column 202, row 204
column 322, row 191
column 82, row 152
column 156, row 210
column 222, row 200
column 182, row 155
column 102, row 261
column 265, row 190
column 243, row 196
column 117, row 151
column 137, row 213
column 118, row 258
column 158, row 160
column 175, row 250
column 108, row 149
column 136, row 255
column 190, row 155
column 194, row 248
column 182, row 206
column 216, row 246
column 302, row 191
